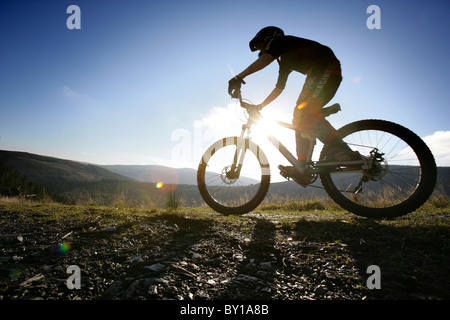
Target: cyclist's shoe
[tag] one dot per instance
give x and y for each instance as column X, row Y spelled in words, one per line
column 341, row 153
column 289, row 172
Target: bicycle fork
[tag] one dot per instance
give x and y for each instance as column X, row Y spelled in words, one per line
column 243, row 144
column 239, row 156
column 238, row 159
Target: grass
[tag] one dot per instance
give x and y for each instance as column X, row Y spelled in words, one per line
column 299, row 204
column 435, row 212
column 174, row 199
column 281, row 210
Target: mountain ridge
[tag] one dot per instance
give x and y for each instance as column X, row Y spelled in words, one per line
column 155, row 173
column 38, row 167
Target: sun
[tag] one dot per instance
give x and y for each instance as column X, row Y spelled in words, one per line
column 268, row 125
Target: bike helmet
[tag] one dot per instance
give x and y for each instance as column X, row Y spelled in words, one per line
column 265, row 34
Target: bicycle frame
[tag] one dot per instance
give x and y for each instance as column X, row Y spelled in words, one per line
column 312, row 167
column 383, row 181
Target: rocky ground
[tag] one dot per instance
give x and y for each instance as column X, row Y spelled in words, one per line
column 177, row 256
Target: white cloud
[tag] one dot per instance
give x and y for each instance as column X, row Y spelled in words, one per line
column 188, row 145
column 439, row 143
column 67, row 92
column 77, row 99
column 223, row 121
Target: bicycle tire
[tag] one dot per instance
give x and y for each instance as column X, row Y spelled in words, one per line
column 420, row 189
column 229, row 207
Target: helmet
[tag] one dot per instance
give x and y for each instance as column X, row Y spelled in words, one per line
column 265, row 34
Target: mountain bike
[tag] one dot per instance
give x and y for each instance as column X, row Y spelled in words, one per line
column 395, row 175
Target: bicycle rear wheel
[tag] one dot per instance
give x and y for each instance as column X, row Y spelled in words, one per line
column 401, row 179
column 231, row 189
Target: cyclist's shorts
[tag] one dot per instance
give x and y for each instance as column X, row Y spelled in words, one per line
column 320, row 87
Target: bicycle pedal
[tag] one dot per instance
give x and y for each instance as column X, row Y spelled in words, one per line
column 284, row 173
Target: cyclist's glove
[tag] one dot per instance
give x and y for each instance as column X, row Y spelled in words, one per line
column 234, row 86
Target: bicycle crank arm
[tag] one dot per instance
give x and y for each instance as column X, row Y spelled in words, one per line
column 354, row 163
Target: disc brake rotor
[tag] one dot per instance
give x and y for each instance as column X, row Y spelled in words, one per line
column 225, row 176
column 377, row 171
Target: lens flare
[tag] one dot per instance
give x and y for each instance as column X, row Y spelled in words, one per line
column 159, row 185
column 302, row 105
column 64, row 247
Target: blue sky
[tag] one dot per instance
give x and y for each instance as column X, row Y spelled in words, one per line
column 145, row 82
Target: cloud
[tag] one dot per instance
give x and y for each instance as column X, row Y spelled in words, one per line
column 78, row 99
column 67, row 92
column 439, row 143
column 223, row 121
column 188, row 145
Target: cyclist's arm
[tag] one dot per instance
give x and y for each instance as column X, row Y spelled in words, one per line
column 281, row 83
column 259, row 64
column 272, row 96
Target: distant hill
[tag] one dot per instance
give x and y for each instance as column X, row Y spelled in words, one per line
column 45, row 170
column 443, row 179
column 155, row 173
column 74, row 181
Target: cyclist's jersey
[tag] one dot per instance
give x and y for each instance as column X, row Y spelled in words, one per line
column 298, row 54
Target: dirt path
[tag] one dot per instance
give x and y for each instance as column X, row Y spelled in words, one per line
column 175, row 256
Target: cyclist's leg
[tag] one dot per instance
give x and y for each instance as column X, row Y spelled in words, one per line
column 319, row 89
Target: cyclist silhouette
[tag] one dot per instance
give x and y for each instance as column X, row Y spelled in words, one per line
column 323, row 77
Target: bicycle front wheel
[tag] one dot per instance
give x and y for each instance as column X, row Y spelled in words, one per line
column 233, row 176
column 400, row 179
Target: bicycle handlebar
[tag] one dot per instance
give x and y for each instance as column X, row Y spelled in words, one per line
column 252, row 111
column 326, row 111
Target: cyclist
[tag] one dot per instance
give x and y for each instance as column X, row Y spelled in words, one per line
column 323, row 77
